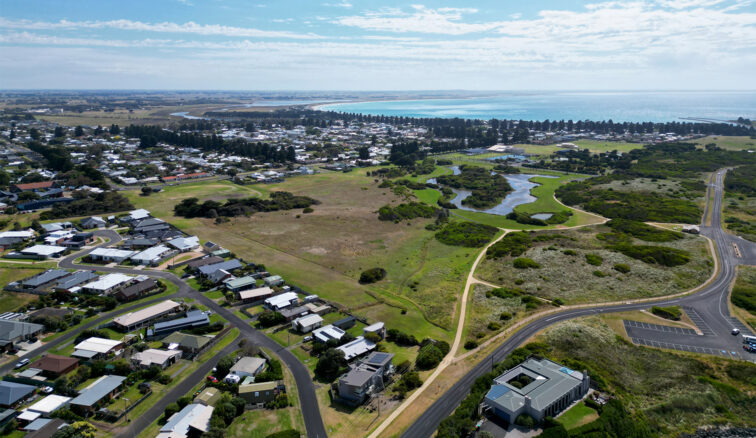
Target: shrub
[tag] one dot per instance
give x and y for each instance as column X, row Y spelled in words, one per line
column 594, row 259
column 289, row 433
column 428, row 357
column 744, row 296
column 557, row 302
column 671, row 312
column 467, row 234
column 372, row 275
column 525, row 420
column 409, row 381
column 469, row 345
column 622, row 268
column 506, row 292
column 307, row 210
column 643, row 231
column 494, row 326
column 525, row 263
column 662, row 255
column 514, row 244
column 505, row 316
column 406, row 211
column 269, row 319
column 569, row 252
column 400, row 338
column 331, row 365
column 599, row 274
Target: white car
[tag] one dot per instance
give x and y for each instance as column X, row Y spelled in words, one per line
column 47, row 389
column 735, row 332
column 22, row 362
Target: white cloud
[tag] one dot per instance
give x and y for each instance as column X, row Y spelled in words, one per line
column 446, row 21
column 342, row 4
column 189, row 27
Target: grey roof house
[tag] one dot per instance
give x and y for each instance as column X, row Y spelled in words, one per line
column 539, row 388
column 366, row 378
column 11, row 393
column 12, row 332
column 99, row 391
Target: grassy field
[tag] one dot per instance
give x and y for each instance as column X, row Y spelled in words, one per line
column 577, row 415
column 538, row 150
column 675, row 392
column 572, row 279
column 324, row 252
column 122, row 117
column 733, row 143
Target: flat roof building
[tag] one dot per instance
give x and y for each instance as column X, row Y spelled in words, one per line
column 49, row 404
column 325, row 334
column 193, row 318
column 44, row 251
column 152, row 256
column 306, row 324
column 543, row 389
column 111, row 254
column 257, row 393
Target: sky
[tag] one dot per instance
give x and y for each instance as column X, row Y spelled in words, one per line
column 378, row 45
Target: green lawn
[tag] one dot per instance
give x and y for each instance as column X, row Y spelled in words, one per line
column 577, row 416
column 733, row 143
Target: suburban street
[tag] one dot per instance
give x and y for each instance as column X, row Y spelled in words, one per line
column 308, row 399
column 709, row 305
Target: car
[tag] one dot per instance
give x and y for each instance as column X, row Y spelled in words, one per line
column 735, row 332
column 212, row 379
column 307, row 338
column 22, row 362
column 47, row 389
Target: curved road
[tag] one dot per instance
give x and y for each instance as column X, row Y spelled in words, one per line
column 307, row 397
column 710, row 303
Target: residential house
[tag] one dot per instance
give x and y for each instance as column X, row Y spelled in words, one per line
column 111, row 255
column 248, row 366
column 78, row 240
column 137, row 289
column 346, row 323
column 152, row 256
column 208, row 397
column 185, row 244
column 548, row 389
column 54, row 366
column 273, row 280
column 49, row 404
column 151, row 356
column 93, row 222
column 282, row 301
column 252, row 295
column 191, row 421
column 356, row 348
column 11, row 238
column 32, row 187
column 44, row 279
column 43, row 252
column 107, row 284
column 228, row 265
column 190, row 344
column 292, row 313
column 210, row 260
column 241, row 283
column 366, row 378
column 12, row 332
column 306, row 324
column 193, row 318
column 136, row 215
column 327, row 333
column 95, row 347
column 139, row 318
column 219, row 276
column 11, row 393
column 261, row 393
column 378, row 328
column 68, row 283
column 97, row 394
column 139, row 243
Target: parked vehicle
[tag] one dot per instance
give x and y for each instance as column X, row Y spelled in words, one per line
column 735, row 332
column 212, row 379
column 748, row 339
column 47, row 389
column 22, row 362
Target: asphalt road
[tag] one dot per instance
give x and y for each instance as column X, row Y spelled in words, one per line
column 307, row 397
column 710, row 305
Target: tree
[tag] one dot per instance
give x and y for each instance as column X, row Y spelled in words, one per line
column 114, row 130
column 224, row 365
column 79, row 131
column 183, row 401
column 146, row 191
column 59, row 131
column 364, row 153
column 98, row 130
column 171, row 409
column 79, row 429
column 34, row 134
column 428, row 357
column 330, row 365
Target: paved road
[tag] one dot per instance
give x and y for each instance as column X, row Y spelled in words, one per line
column 710, row 306
column 307, row 397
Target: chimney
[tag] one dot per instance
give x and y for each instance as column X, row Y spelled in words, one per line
column 527, row 401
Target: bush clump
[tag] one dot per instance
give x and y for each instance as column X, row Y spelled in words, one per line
column 643, row 231
column 594, row 259
column 469, row 345
column 467, row 234
column 661, row 255
column 622, row 268
column 525, row 263
column 372, row 275
column 406, row 211
column 672, row 312
column 513, row 244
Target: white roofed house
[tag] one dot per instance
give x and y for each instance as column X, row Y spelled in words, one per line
column 185, row 244
column 107, row 284
column 161, row 358
column 152, row 256
column 192, row 420
column 10, row 238
column 95, row 347
column 139, row 318
column 42, row 252
column 306, row 324
column 248, row 366
column 110, row 254
column 136, row 215
column 356, row 348
column 282, row 301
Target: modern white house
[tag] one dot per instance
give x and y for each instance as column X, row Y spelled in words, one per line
column 152, row 256
column 110, row 254
column 306, row 324
column 282, row 301
column 107, row 283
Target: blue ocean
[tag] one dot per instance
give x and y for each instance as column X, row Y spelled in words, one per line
column 620, row 106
